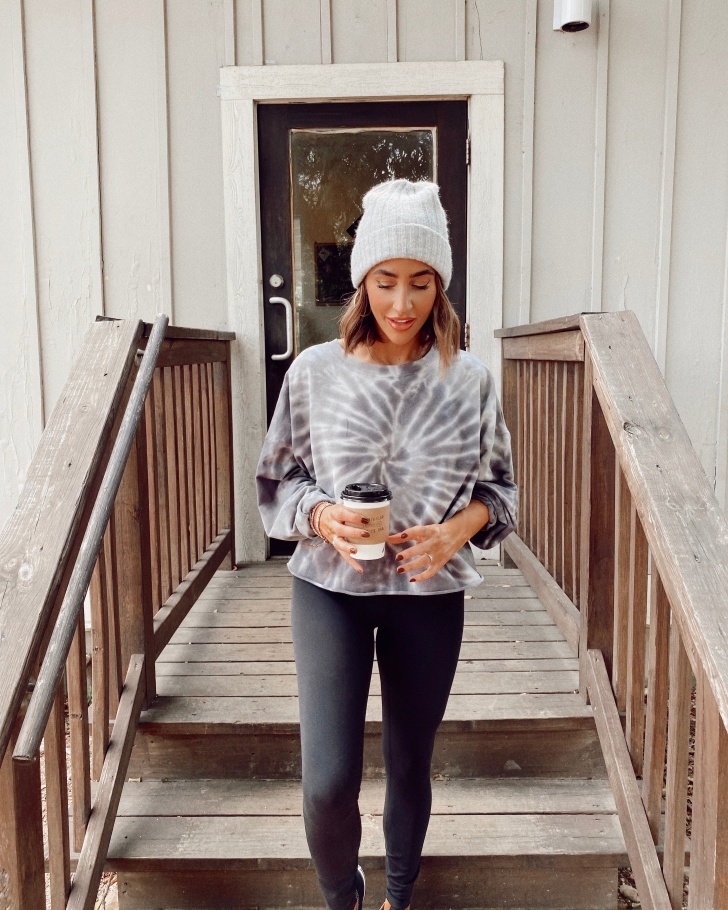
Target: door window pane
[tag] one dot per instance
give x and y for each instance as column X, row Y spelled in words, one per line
column 330, row 172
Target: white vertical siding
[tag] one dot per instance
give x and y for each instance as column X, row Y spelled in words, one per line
column 21, row 397
column 132, row 93
column 615, row 191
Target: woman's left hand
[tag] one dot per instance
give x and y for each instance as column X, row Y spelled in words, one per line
column 435, row 545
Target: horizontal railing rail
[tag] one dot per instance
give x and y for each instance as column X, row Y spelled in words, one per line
column 157, row 516
column 621, row 533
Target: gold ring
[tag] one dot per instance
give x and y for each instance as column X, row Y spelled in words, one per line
column 430, row 558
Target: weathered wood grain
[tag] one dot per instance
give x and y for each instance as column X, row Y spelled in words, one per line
column 558, row 346
column 78, row 730
column 559, row 607
column 169, row 616
column 686, row 529
column 39, row 536
column 282, row 618
column 622, row 530
column 636, row 641
column 676, row 783
column 200, row 714
column 273, row 685
column 21, row 829
column 709, row 854
column 56, row 791
column 98, row 592
column 280, row 841
column 482, row 796
column 657, row 702
column 560, row 324
column 93, row 854
column 278, row 667
column 284, row 651
column 597, row 545
column 637, row 835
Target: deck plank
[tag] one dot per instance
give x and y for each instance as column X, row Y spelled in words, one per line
column 284, row 685
column 492, row 796
column 279, row 841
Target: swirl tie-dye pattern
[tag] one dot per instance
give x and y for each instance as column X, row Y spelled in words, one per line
column 437, row 441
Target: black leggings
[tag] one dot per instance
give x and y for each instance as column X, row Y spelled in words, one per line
column 417, row 645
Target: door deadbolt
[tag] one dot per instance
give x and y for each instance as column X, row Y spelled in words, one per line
column 276, row 281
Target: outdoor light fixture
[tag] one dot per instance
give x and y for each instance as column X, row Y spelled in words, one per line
column 572, row 15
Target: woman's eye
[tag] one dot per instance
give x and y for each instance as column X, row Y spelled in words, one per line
column 385, row 287
column 421, row 287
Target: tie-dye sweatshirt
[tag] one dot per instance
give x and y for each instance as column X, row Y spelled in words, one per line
column 437, row 441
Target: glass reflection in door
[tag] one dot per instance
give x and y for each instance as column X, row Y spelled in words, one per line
column 331, row 170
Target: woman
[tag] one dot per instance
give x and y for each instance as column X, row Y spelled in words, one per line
column 395, row 402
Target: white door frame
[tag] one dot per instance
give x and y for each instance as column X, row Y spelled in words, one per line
column 241, row 89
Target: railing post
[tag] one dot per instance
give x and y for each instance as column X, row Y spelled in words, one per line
column 709, row 846
column 131, row 510
column 596, row 599
column 22, row 872
column 509, row 403
column 224, row 456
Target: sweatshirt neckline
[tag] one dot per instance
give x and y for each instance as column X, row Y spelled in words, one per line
column 395, row 369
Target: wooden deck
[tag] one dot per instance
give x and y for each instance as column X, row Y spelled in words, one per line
column 522, row 816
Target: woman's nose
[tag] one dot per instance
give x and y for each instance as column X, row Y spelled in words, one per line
column 402, row 300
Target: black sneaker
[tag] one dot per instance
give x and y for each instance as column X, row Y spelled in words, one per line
column 360, row 887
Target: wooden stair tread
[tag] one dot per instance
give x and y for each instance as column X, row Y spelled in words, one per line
column 464, row 712
column 257, row 824
column 274, row 684
column 237, row 842
column 479, row 796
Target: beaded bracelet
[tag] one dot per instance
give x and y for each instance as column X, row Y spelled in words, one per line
column 314, row 517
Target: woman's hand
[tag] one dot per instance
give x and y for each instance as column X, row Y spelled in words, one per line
column 435, row 545
column 342, row 528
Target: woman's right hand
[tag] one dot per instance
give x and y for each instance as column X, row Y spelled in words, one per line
column 342, row 528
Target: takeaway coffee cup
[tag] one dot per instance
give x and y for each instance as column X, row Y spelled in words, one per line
column 371, row 500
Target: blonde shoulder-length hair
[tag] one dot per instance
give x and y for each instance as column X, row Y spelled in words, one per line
column 358, row 325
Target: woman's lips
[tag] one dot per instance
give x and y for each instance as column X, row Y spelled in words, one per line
column 401, row 325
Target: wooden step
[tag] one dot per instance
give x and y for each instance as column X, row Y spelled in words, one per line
column 240, row 736
column 491, row 843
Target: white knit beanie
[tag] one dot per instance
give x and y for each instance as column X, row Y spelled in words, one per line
column 402, row 220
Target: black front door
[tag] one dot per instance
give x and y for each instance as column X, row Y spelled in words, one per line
column 316, row 162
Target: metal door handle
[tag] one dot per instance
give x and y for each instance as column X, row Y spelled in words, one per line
column 289, row 328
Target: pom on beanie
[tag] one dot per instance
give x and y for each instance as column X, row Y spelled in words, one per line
column 402, row 220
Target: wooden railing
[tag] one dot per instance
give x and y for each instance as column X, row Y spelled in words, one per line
column 621, row 534
column 169, row 528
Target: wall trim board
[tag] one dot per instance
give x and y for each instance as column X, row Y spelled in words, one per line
column 34, row 370
column 258, row 37
column 228, row 13
column 361, row 81
column 241, row 89
column 460, row 39
column 392, row 37
column 667, row 181
column 92, row 117
column 527, row 156
column 165, row 239
column 721, row 463
column 327, row 55
column 600, row 157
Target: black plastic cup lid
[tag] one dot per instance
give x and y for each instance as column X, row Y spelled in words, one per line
column 366, row 492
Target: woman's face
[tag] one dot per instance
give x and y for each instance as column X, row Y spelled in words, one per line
column 401, row 294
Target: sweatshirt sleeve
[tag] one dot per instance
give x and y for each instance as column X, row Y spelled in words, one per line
column 495, row 486
column 287, row 491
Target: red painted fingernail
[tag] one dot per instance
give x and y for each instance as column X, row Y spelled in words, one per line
column 365, row 521
column 413, row 579
column 403, row 536
column 366, row 534
column 400, row 570
column 400, row 558
column 352, row 549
